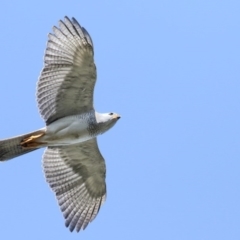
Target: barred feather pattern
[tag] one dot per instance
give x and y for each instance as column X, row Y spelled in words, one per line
column 76, row 174
column 66, row 83
column 11, row 147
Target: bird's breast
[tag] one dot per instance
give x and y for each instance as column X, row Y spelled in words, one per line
column 67, row 131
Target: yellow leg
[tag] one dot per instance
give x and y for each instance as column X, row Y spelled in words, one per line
column 30, row 142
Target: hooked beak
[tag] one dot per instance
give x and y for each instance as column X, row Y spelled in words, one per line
column 116, row 116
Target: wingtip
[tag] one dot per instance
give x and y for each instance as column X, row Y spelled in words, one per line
column 67, row 18
column 75, row 21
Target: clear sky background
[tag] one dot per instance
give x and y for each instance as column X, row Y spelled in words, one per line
column 172, row 70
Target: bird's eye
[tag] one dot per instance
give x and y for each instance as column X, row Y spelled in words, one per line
column 110, row 113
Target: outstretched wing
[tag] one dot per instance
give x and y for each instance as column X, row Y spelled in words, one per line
column 76, row 174
column 66, row 84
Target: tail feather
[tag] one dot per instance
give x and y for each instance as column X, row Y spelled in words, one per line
column 13, row 147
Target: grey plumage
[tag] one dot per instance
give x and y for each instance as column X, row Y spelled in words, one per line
column 66, row 84
column 76, row 193
column 72, row 162
column 11, row 147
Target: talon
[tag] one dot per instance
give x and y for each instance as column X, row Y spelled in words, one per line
column 30, row 142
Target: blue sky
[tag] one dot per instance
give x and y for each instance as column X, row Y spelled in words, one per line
column 171, row 69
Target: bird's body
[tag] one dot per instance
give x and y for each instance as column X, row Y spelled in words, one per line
column 73, row 164
column 69, row 130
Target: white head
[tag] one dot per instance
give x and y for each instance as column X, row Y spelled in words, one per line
column 106, row 120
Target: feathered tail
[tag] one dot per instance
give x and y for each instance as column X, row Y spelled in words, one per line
column 14, row 147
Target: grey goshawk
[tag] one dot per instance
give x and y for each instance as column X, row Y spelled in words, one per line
column 72, row 162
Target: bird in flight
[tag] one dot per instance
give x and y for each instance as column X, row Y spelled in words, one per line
column 72, row 162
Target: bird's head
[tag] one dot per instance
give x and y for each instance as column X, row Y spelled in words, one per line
column 106, row 120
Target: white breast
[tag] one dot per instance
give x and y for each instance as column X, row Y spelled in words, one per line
column 66, row 131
